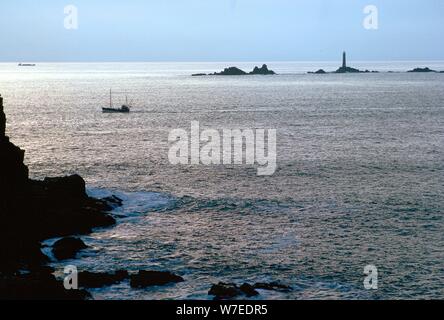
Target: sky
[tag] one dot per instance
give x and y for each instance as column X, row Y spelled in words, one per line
column 220, row 30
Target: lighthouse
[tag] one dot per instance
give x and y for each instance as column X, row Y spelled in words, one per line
column 344, row 68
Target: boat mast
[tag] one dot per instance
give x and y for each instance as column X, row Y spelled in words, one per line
column 110, row 99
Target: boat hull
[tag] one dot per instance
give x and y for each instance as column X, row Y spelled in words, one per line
column 111, row 110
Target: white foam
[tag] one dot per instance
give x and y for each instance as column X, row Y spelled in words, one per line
column 134, row 203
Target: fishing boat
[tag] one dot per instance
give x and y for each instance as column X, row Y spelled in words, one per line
column 125, row 108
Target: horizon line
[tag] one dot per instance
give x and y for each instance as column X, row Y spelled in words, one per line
column 209, row 61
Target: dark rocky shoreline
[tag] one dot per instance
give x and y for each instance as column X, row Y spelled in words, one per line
column 33, row 211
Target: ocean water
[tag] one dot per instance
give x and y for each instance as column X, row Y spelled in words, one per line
column 359, row 180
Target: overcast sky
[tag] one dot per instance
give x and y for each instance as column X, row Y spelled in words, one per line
column 220, row 30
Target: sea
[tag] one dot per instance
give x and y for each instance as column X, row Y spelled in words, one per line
column 359, row 179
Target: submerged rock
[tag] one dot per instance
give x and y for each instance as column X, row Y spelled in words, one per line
column 98, row 280
column 67, row 248
column 273, row 286
column 145, row 279
column 248, row 290
column 224, row 291
column 113, row 201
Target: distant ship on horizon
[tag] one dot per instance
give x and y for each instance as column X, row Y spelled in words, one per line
column 26, row 64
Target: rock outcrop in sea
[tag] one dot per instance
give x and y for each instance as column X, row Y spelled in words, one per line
column 344, row 68
column 262, row 71
column 320, row 71
column 67, row 248
column 235, row 71
column 33, row 211
column 231, row 71
column 145, row 279
column 224, row 291
column 348, row 70
column 426, row 69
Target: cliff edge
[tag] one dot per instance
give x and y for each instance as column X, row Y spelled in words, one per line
column 32, row 211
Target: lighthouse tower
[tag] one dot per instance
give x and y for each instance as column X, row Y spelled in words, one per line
column 344, row 60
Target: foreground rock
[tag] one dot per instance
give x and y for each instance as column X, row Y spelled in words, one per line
column 249, row 290
column 224, row 291
column 67, row 248
column 72, row 187
column 113, row 201
column 37, row 286
column 13, row 172
column 33, row 211
column 273, row 286
column 153, row 278
column 98, row 280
